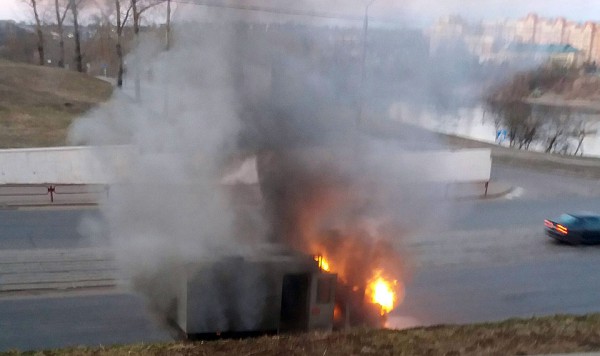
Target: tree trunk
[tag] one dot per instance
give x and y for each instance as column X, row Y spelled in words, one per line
column 136, row 35
column 61, row 33
column 78, row 56
column 551, row 144
column 40, row 35
column 579, row 144
column 168, row 34
column 121, row 70
column 119, row 46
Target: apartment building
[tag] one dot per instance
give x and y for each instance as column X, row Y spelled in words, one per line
column 447, row 29
column 534, row 30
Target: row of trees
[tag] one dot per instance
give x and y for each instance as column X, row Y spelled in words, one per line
column 119, row 13
column 550, row 128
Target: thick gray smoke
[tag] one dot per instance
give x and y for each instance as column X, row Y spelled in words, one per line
column 287, row 93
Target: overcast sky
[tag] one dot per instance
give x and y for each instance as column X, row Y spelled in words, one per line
column 417, row 12
column 11, row 9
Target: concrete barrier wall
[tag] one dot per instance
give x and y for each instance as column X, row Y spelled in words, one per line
column 61, row 165
column 460, row 166
column 106, row 165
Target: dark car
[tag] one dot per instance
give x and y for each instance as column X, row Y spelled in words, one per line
column 580, row 228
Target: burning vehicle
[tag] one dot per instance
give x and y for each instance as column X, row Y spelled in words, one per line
column 296, row 293
column 268, row 291
column 318, row 271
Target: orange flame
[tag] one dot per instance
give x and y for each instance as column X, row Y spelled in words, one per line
column 323, row 263
column 383, row 292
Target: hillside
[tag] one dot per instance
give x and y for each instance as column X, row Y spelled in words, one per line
column 582, row 92
column 550, row 86
column 37, row 104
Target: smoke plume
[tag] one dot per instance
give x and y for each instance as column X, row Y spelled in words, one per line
column 230, row 88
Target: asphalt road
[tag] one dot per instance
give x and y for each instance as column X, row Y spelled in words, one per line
column 35, row 323
column 494, row 262
column 490, row 261
column 57, row 228
column 466, row 294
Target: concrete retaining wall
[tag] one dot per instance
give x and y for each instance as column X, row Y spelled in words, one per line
column 106, row 165
column 460, row 166
column 61, row 165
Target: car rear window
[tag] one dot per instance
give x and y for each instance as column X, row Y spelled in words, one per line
column 567, row 219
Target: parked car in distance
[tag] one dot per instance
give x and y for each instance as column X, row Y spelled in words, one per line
column 579, row 228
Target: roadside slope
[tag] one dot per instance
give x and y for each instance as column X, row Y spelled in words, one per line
column 37, row 104
column 547, row 335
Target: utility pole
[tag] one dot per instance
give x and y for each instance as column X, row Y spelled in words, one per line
column 168, row 30
column 167, row 69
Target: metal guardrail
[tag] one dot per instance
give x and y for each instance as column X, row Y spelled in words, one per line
column 52, row 191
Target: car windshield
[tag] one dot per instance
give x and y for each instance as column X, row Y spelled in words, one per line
column 567, row 219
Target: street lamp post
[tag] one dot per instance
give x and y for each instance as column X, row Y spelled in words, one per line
column 363, row 70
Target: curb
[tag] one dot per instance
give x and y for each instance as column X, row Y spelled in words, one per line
column 499, row 194
column 17, row 206
column 495, row 190
column 486, row 197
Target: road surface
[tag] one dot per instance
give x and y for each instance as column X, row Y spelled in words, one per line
column 35, row 323
column 56, row 228
column 494, row 261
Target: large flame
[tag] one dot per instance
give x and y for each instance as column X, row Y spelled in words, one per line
column 323, row 263
column 385, row 292
column 382, row 291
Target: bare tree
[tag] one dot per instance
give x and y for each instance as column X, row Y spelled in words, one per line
column 60, row 19
column 99, row 47
column 124, row 11
column 38, row 29
column 78, row 56
column 514, row 115
column 138, row 7
column 584, row 130
column 122, row 18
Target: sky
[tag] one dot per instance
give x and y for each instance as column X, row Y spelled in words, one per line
column 11, row 9
column 418, row 12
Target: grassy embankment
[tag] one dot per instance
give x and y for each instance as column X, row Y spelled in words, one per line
column 37, row 104
column 546, row 335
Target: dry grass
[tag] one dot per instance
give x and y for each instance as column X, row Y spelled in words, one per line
column 556, row 334
column 37, row 104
